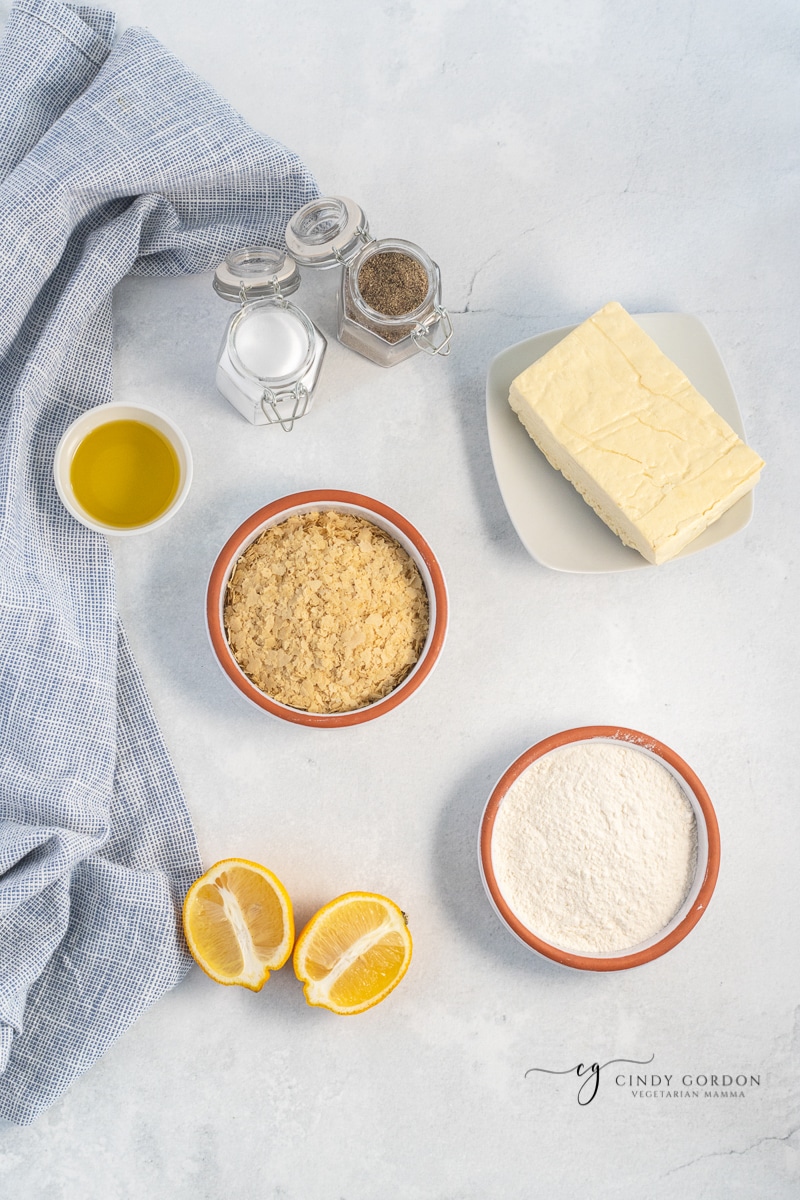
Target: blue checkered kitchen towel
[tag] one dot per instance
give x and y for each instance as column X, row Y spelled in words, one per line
column 112, row 162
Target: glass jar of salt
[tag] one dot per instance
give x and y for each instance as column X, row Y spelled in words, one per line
column 271, row 354
column 390, row 294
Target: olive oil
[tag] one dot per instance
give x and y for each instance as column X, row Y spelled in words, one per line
column 125, row 474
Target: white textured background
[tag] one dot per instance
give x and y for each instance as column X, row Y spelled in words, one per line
column 550, row 157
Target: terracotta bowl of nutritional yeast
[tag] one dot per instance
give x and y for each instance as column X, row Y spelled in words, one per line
column 327, row 609
column 123, row 468
column 599, row 848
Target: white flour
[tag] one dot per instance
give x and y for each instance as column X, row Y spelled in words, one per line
column 594, row 847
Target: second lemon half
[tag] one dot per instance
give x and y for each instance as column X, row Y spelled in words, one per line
column 353, row 952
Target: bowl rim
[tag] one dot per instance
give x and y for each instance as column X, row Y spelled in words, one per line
column 677, row 933
column 246, row 533
column 93, row 418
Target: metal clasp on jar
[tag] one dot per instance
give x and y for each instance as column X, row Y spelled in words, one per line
column 362, row 234
column 270, row 401
column 423, row 340
column 273, row 284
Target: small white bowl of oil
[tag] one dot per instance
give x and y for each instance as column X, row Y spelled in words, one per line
column 123, row 468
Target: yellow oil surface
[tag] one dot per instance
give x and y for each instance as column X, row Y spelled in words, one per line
column 124, row 474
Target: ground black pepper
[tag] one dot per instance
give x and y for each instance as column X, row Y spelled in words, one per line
column 393, row 284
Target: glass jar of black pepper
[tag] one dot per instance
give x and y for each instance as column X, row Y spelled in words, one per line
column 390, row 294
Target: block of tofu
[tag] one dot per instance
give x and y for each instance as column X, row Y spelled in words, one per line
column 631, row 433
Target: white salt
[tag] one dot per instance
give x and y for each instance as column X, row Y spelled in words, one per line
column 271, row 342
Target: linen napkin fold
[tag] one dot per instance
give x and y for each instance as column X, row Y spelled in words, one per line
column 111, row 161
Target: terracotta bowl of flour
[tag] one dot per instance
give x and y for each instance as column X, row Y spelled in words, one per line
column 599, row 848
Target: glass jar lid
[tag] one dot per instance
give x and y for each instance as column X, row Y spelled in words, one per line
column 255, row 273
column 327, row 232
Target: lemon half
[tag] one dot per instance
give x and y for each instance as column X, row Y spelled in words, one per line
column 238, row 923
column 353, row 953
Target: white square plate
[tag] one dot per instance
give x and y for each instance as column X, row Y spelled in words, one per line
column 555, row 525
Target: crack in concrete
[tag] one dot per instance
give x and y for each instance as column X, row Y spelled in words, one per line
column 481, row 267
column 727, row 1153
column 500, row 312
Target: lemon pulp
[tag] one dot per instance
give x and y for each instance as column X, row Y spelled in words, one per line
column 124, row 474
